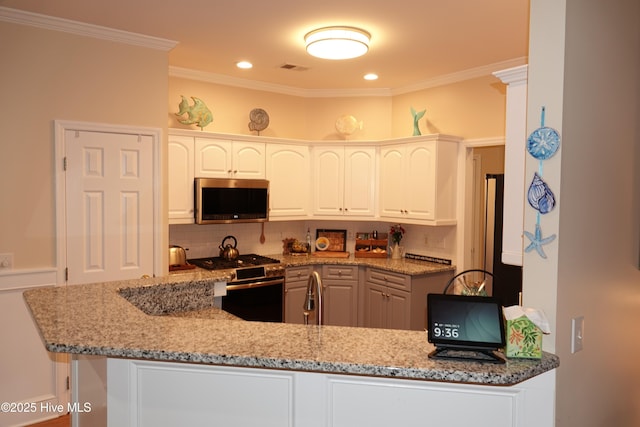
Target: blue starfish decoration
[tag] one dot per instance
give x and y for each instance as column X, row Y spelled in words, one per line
column 537, row 241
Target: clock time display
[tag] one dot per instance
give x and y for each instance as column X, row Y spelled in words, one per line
column 446, row 330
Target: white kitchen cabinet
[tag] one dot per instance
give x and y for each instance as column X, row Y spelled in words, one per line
column 344, row 181
column 139, row 394
column 181, row 153
column 207, row 157
column 412, row 180
column 418, row 180
column 288, row 168
column 218, row 158
column 514, row 160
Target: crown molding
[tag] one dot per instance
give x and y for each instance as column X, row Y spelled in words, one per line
column 514, row 75
column 487, row 70
column 472, row 73
column 187, row 73
column 80, row 28
column 484, row 142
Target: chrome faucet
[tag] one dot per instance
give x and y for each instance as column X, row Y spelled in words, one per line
column 314, row 285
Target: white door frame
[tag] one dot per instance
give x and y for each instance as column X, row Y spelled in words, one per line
column 464, row 228
column 61, row 126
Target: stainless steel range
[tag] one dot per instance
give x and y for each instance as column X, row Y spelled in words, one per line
column 255, row 290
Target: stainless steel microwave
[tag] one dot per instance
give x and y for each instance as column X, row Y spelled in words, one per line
column 219, row 200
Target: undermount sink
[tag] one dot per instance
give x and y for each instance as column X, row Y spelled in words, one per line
column 194, row 300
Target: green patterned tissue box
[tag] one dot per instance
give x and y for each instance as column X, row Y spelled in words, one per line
column 524, row 339
column 524, row 332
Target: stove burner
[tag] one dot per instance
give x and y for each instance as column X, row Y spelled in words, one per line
column 218, row 263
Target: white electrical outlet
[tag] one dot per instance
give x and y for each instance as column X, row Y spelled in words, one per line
column 577, row 333
column 6, row 261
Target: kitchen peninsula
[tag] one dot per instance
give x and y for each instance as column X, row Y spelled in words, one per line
column 194, row 369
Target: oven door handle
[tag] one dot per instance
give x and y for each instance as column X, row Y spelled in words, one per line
column 232, row 287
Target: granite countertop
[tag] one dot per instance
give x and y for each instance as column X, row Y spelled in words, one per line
column 403, row 266
column 97, row 319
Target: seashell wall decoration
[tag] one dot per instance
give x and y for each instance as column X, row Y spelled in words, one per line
column 258, row 120
column 347, row 125
column 541, row 144
column 540, row 196
column 198, row 113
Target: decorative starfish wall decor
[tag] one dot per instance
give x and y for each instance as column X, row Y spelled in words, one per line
column 537, row 241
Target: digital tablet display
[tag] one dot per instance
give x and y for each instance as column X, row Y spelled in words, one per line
column 471, row 322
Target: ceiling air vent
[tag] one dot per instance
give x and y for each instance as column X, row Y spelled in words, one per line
column 293, row 67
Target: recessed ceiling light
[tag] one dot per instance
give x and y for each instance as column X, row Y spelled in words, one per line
column 371, row 76
column 337, row 42
column 245, row 65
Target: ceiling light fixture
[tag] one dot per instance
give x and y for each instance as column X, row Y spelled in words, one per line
column 245, row 65
column 371, row 76
column 337, row 42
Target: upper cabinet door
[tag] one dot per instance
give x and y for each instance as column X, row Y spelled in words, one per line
column 392, row 181
column 420, row 165
column 248, row 160
column 328, row 180
column 418, row 180
column 344, row 181
column 180, row 179
column 229, row 159
column 359, row 181
column 213, row 158
column 288, row 173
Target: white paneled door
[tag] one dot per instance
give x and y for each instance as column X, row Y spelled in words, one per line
column 108, row 226
column 109, row 198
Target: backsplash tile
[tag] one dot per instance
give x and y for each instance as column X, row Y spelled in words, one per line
column 203, row 240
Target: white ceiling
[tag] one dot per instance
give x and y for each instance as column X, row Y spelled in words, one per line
column 413, row 41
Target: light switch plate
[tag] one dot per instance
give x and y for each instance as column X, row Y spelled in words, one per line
column 577, row 333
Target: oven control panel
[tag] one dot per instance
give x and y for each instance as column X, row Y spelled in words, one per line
column 274, row 271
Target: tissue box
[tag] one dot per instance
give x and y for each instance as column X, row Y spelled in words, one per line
column 524, row 339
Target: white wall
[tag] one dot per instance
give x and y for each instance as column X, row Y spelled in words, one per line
column 585, row 69
column 48, row 75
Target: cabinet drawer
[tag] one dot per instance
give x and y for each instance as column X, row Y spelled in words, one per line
column 340, row 272
column 386, row 278
column 298, row 273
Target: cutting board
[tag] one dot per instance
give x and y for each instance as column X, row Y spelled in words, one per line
column 330, row 254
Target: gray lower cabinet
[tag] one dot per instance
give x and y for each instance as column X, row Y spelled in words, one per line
column 340, row 294
column 295, row 287
column 364, row 296
column 398, row 301
column 387, row 300
column 340, row 284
